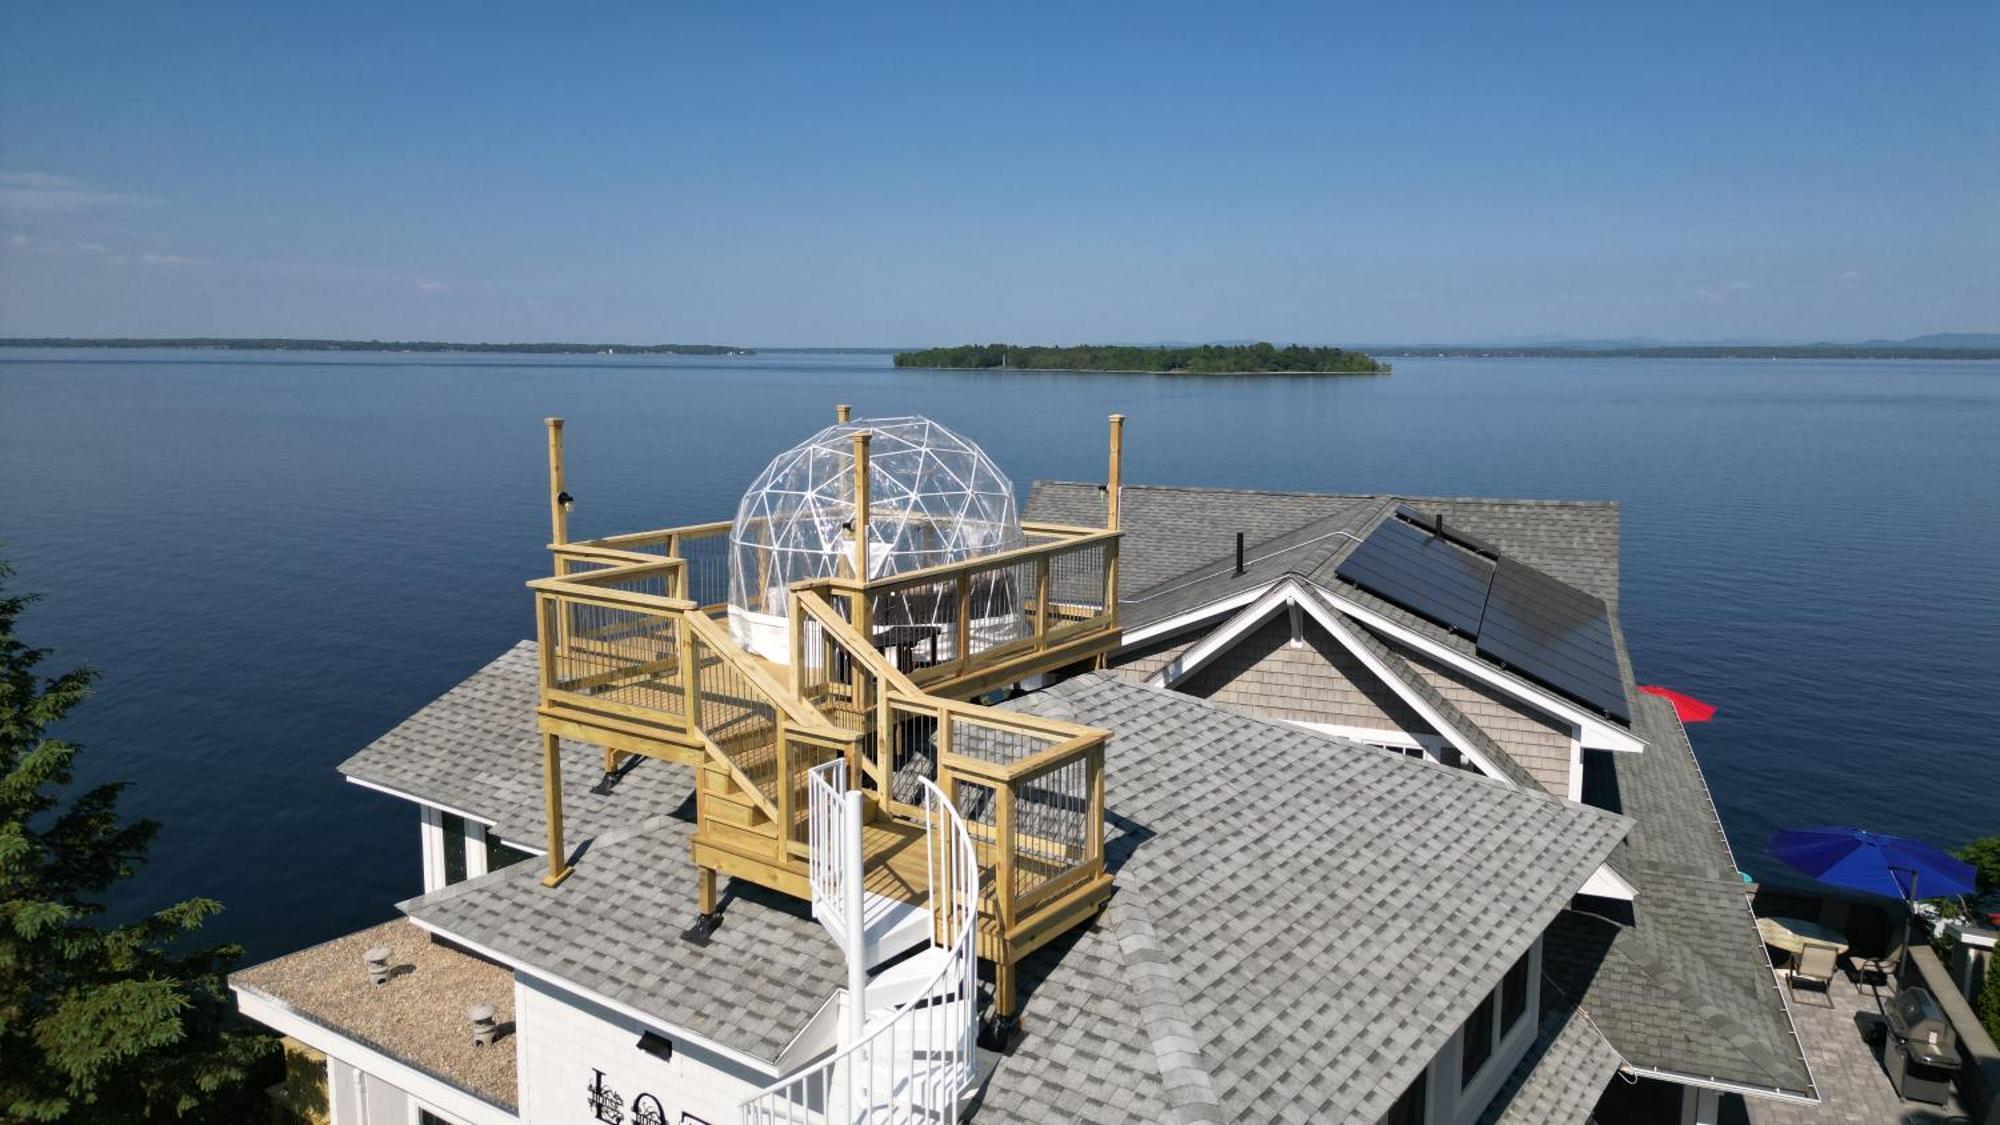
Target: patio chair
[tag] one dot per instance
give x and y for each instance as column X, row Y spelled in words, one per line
column 1816, row 965
column 1885, row 965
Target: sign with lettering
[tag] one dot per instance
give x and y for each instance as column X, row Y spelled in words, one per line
column 608, row 1105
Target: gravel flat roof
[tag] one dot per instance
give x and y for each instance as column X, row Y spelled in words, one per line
column 418, row 1016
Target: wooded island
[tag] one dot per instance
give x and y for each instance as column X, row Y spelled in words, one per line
column 1207, row 359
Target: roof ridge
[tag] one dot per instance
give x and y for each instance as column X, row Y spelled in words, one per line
column 1170, row 1026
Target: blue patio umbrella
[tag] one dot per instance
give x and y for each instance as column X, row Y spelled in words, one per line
column 1891, row 866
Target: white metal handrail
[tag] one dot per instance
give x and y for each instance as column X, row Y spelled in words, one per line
column 826, row 815
column 914, row 1063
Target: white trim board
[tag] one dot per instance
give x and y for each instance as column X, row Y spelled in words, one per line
column 666, row 1027
column 432, row 802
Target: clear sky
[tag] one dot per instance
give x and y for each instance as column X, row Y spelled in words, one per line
column 942, row 173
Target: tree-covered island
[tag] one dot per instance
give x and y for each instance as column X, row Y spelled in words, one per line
column 1206, row 359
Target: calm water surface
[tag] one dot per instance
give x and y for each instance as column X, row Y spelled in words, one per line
column 274, row 558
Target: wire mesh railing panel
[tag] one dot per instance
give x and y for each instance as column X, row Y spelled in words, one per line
column 707, row 555
column 737, row 716
column 990, row 742
column 629, row 656
column 1077, row 580
column 978, row 805
column 1002, row 601
column 912, row 753
column 1051, row 825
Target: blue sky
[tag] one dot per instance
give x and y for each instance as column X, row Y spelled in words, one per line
column 868, row 175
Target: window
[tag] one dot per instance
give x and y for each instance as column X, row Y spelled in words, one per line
column 1476, row 1041
column 499, row 855
column 1409, row 1109
column 1514, row 995
column 426, row 1117
column 454, row 849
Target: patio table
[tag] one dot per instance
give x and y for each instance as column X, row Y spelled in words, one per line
column 1792, row 934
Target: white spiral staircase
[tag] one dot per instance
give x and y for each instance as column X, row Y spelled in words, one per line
column 906, row 1051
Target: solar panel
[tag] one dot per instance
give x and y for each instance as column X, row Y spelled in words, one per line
column 1552, row 633
column 1433, row 522
column 1422, row 573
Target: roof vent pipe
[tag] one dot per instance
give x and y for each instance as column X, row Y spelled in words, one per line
column 377, row 958
column 1239, row 553
column 485, row 1028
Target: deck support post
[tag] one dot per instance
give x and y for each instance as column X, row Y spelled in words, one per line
column 1115, row 479
column 559, row 867
column 706, row 890
column 842, row 412
column 559, row 500
column 861, row 513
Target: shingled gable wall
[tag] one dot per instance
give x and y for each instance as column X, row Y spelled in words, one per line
column 1318, row 681
column 1539, row 742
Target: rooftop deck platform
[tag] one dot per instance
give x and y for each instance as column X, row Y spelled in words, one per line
column 418, row 1016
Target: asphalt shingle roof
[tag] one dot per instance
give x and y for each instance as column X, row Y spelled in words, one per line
column 613, row 927
column 1686, row 987
column 1561, row 1077
column 476, row 749
column 1299, row 924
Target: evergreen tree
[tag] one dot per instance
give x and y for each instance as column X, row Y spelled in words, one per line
column 98, row 1023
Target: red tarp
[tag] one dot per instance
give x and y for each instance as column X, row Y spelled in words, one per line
column 1690, row 709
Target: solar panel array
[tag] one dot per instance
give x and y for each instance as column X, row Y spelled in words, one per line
column 1425, row 574
column 1515, row 615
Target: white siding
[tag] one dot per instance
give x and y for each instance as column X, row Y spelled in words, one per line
column 562, row 1040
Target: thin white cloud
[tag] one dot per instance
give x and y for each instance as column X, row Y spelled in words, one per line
column 431, row 287
column 41, row 191
column 162, row 260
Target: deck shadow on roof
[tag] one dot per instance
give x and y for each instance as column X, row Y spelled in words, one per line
column 1130, row 838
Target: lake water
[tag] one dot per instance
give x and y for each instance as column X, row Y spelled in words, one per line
column 275, row 557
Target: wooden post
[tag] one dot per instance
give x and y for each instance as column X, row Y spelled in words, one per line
column 559, row 867
column 962, row 641
column 706, row 881
column 843, row 412
column 558, row 498
column 1041, row 602
column 861, row 513
column 1003, row 848
column 1116, row 478
column 781, row 743
column 690, row 670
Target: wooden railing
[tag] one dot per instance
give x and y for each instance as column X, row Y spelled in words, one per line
column 958, row 618
column 1031, row 789
column 625, row 659
column 703, row 547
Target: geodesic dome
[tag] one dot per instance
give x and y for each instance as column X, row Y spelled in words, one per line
column 934, row 498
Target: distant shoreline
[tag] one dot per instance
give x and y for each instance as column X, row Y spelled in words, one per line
column 1125, row 359
column 1669, row 352
column 282, row 344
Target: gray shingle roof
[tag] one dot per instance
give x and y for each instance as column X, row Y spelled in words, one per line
column 613, row 927
column 1561, row 1077
column 1691, row 960
column 1174, row 535
column 1299, row 925
column 475, row 749
column 1687, row 988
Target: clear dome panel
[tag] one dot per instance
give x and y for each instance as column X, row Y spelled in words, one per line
column 934, row 498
